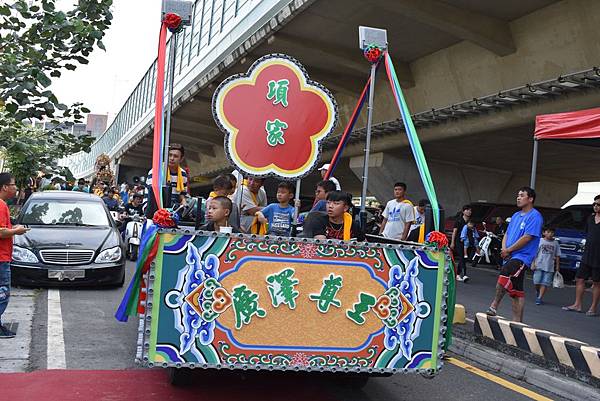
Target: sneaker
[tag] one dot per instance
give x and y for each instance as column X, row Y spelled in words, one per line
column 465, row 278
column 6, row 333
column 538, row 301
column 491, row 311
column 459, row 278
column 466, row 256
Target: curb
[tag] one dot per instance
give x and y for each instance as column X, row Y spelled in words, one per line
column 569, row 356
column 527, row 372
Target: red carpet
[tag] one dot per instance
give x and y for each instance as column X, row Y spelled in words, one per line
column 147, row 385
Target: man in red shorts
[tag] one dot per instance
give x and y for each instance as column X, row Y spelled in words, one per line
column 519, row 247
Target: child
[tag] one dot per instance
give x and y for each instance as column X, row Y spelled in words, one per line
column 323, row 188
column 279, row 215
column 217, row 215
column 546, row 262
column 470, row 238
column 222, row 186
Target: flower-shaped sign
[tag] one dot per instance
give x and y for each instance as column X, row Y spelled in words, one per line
column 274, row 118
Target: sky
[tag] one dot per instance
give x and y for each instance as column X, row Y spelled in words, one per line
column 131, row 43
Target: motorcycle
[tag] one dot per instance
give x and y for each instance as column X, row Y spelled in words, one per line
column 489, row 248
column 116, row 214
column 133, row 234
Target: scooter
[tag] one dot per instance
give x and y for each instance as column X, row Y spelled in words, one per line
column 116, row 213
column 133, row 234
column 489, row 248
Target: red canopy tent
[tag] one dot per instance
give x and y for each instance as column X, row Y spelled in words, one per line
column 581, row 127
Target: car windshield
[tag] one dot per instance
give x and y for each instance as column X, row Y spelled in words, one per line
column 572, row 218
column 64, row 213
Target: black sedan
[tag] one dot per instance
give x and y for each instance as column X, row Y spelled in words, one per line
column 73, row 240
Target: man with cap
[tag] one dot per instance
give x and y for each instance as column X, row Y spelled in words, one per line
column 324, row 168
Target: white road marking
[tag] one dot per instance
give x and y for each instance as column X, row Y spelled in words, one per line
column 56, row 358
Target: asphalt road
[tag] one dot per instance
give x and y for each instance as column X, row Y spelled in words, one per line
column 477, row 294
column 94, row 341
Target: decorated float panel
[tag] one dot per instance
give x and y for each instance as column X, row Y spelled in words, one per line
column 238, row 302
column 219, row 300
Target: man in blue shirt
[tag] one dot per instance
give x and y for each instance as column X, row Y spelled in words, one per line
column 519, row 247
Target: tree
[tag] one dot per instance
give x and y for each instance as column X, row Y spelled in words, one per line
column 37, row 43
column 28, row 150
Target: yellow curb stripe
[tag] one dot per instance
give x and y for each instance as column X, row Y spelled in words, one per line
column 498, row 380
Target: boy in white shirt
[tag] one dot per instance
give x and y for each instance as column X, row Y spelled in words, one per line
column 398, row 215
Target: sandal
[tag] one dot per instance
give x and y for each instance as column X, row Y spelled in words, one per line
column 591, row 314
column 571, row 309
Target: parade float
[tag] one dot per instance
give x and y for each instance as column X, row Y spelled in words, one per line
column 103, row 174
column 209, row 300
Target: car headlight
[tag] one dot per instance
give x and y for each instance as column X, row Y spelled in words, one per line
column 23, row 255
column 109, row 255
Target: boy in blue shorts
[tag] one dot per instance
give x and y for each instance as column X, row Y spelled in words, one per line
column 279, row 215
column 546, row 262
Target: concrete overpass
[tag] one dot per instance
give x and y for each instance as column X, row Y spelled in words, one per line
column 474, row 73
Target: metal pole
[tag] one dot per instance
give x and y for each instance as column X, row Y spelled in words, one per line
column 168, row 110
column 534, row 163
column 365, row 177
column 297, row 197
column 296, row 209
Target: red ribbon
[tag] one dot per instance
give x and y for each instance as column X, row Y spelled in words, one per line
column 158, row 113
column 438, row 238
column 163, row 218
column 172, row 21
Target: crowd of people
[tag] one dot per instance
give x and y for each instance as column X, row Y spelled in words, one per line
column 239, row 205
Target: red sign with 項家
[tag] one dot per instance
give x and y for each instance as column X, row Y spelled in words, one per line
column 274, row 118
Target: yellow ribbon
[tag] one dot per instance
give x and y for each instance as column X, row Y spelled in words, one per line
column 180, row 184
column 347, row 226
column 256, row 227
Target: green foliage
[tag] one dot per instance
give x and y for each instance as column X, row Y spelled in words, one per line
column 37, row 43
column 28, row 150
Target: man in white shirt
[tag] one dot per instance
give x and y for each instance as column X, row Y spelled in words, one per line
column 324, row 168
column 398, row 215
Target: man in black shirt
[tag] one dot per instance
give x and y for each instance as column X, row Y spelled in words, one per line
column 590, row 263
column 336, row 223
column 457, row 246
column 135, row 207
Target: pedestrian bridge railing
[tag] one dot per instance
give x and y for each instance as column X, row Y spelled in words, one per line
column 218, row 28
